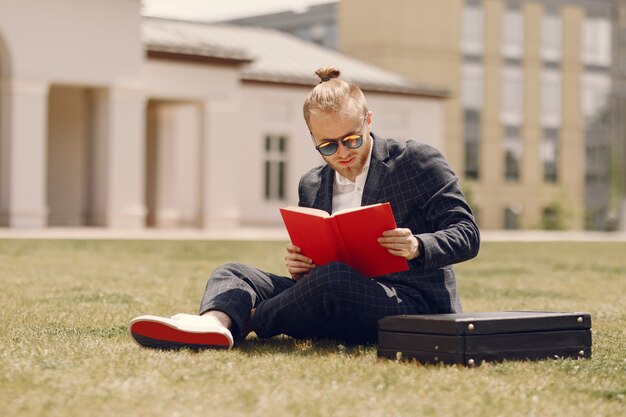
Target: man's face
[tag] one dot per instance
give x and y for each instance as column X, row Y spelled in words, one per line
column 350, row 121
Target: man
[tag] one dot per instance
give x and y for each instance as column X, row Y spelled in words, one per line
column 436, row 229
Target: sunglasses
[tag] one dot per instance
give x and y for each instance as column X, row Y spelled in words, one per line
column 329, row 147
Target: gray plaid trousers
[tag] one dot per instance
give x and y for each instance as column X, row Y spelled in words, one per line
column 334, row 301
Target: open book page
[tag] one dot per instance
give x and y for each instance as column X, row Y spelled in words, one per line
column 352, row 209
column 360, row 230
column 322, row 213
column 312, row 233
column 306, row 210
column 349, row 236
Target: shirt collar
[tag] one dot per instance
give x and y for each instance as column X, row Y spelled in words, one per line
column 343, row 181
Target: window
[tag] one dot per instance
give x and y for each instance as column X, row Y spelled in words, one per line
column 551, row 218
column 512, row 96
column 550, row 154
column 472, row 102
column 472, row 85
column 275, row 167
column 511, row 218
column 472, row 32
column 551, row 98
column 472, row 143
column 512, row 145
column 597, row 42
column 513, row 34
column 551, row 38
column 596, row 94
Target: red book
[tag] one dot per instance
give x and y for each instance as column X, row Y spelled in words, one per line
column 349, row 236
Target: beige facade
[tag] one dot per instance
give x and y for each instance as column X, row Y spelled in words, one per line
column 100, row 126
column 530, row 195
column 46, row 66
column 530, row 67
column 419, row 39
column 276, row 111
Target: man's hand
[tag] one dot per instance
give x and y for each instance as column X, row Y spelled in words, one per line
column 297, row 264
column 400, row 242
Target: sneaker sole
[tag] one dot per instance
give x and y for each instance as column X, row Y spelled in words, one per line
column 161, row 336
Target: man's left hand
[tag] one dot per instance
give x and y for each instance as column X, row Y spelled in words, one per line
column 400, row 242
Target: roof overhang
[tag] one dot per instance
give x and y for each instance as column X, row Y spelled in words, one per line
column 308, row 82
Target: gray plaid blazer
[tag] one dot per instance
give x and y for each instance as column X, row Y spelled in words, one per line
column 425, row 197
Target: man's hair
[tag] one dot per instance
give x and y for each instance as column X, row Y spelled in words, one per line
column 332, row 93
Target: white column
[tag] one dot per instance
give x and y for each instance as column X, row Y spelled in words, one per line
column 178, row 180
column 69, row 119
column 166, row 213
column 189, row 160
column 23, row 137
column 222, row 168
column 118, row 158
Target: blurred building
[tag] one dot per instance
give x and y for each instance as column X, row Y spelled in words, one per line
column 115, row 120
column 618, row 115
column 528, row 125
column 317, row 24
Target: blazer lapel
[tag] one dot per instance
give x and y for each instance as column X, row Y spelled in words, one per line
column 376, row 175
column 324, row 195
column 377, row 172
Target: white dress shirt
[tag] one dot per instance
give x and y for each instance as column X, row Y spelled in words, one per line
column 346, row 193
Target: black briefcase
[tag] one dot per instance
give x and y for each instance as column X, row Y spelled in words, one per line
column 473, row 338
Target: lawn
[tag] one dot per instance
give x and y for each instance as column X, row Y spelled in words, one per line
column 65, row 350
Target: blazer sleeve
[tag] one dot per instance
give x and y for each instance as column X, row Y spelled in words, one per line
column 453, row 235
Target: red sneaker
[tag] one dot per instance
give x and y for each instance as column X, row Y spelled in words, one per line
column 180, row 331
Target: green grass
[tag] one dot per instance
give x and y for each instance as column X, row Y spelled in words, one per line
column 65, row 351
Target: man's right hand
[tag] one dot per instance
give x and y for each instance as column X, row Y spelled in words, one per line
column 297, row 264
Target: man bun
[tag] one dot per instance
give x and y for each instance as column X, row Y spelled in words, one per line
column 327, row 73
column 333, row 96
